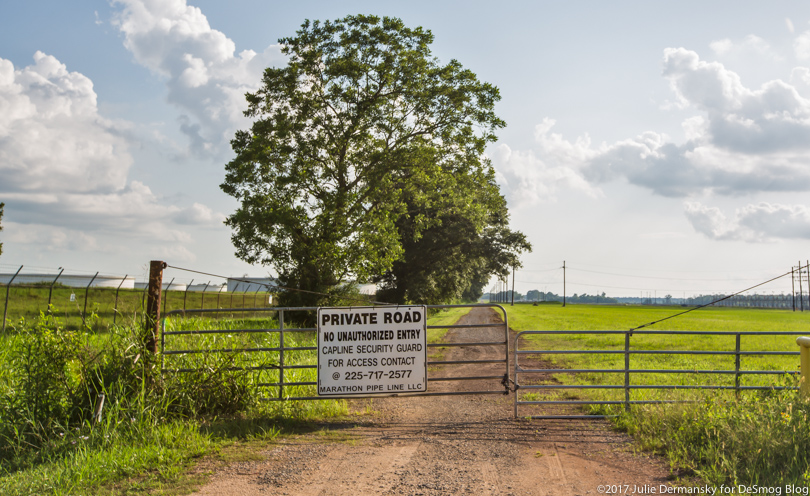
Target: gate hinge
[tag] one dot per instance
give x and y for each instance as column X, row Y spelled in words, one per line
column 505, row 383
column 508, row 384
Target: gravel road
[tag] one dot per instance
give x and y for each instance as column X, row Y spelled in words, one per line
column 445, row 445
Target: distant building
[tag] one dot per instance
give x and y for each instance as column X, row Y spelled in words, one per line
column 176, row 286
column 367, row 289
column 252, row 284
column 208, row 288
column 72, row 280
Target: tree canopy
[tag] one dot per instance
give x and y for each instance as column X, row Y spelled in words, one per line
column 364, row 150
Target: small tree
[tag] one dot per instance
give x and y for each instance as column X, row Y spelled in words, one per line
column 361, row 133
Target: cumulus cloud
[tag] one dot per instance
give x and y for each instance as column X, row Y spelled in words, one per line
column 760, row 222
column 743, row 141
column 64, row 167
column 52, row 238
column 528, row 179
column 199, row 214
column 205, row 79
column 51, row 134
column 773, row 118
column 750, row 46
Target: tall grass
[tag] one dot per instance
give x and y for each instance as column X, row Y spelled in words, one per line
column 153, row 425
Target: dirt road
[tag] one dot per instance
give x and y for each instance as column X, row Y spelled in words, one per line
column 447, row 445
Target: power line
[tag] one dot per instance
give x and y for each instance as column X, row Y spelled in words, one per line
column 656, row 277
column 679, row 271
column 713, row 302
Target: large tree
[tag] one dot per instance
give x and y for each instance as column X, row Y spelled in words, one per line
column 455, row 256
column 356, row 144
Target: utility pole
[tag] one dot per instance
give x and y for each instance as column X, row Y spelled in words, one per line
column 563, row 282
column 793, row 288
column 513, row 285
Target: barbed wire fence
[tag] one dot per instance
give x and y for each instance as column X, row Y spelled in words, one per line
column 98, row 301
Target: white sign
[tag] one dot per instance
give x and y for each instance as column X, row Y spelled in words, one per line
column 372, row 350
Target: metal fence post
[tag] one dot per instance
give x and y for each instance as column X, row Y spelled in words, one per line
column 202, row 298
column 115, row 307
column 804, row 352
column 281, row 354
column 737, row 367
column 8, row 288
column 50, row 291
column 627, row 371
column 86, row 294
column 166, row 296
column 185, row 294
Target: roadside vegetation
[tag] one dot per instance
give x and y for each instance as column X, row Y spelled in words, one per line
column 754, row 438
column 55, row 439
column 104, row 310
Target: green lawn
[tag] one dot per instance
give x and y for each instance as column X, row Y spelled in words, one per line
column 754, row 438
column 623, row 318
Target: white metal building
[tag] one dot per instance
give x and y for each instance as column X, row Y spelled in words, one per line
column 71, row 280
column 251, row 284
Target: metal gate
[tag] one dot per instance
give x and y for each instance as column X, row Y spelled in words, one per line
column 538, row 378
column 282, row 359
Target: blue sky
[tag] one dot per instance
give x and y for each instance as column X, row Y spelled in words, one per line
column 656, row 147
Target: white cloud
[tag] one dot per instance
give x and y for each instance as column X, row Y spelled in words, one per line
column 199, row 214
column 51, row 134
column 750, row 46
column 64, row 167
column 204, row 77
column 743, row 141
column 721, row 47
column 755, row 223
column 529, row 179
column 132, row 211
column 801, row 46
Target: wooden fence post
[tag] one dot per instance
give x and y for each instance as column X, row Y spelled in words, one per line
column 152, row 322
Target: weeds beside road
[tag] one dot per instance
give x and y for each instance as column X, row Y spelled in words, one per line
column 151, row 428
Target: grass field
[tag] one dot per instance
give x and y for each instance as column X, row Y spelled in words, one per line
column 754, row 438
column 103, row 309
column 587, row 317
column 152, row 427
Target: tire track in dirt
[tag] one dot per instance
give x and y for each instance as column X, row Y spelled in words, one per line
column 441, row 445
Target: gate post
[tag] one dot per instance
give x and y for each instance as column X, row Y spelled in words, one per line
column 627, row 371
column 281, row 354
column 804, row 351
column 737, row 366
column 152, row 323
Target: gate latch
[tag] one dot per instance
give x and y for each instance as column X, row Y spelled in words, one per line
column 505, row 383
